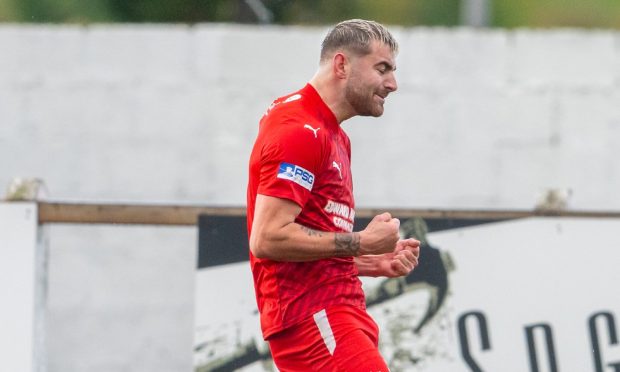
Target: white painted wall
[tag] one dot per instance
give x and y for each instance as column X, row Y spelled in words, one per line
column 483, row 119
column 21, row 316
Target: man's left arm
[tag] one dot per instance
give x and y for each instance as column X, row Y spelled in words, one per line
column 394, row 264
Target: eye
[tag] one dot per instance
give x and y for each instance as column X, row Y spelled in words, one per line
column 383, row 68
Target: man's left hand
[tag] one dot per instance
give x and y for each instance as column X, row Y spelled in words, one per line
column 403, row 260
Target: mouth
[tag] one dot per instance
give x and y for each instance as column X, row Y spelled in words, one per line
column 381, row 97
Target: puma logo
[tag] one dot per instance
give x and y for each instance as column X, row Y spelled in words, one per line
column 337, row 166
column 312, row 129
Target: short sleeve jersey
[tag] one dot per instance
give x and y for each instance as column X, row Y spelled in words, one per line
column 301, row 154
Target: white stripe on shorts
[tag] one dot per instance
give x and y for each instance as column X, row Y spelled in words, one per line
column 325, row 329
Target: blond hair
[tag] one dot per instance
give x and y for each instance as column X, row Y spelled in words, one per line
column 356, row 35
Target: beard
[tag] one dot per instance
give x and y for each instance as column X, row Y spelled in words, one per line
column 362, row 99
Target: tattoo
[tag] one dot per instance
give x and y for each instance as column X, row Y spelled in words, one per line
column 347, row 244
column 311, row 232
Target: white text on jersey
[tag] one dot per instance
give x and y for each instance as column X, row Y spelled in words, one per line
column 343, row 215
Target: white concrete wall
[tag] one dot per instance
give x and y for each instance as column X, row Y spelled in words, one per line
column 483, row 119
column 488, row 118
column 20, row 289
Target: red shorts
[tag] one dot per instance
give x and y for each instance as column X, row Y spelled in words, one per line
column 340, row 338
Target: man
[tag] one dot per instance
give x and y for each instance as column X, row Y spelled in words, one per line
column 305, row 258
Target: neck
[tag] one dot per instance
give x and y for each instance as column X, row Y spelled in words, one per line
column 331, row 90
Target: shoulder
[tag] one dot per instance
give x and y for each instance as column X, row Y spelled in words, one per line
column 285, row 104
column 291, row 116
column 293, row 136
column 295, row 131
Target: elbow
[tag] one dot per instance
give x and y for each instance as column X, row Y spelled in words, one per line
column 269, row 243
column 258, row 251
column 260, row 247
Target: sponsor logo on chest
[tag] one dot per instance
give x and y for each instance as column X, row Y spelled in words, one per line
column 342, row 215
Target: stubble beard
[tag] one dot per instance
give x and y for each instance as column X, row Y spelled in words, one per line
column 362, row 100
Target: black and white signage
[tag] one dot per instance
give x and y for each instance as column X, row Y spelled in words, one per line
column 536, row 294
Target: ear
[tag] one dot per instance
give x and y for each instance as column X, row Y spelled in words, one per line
column 340, row 65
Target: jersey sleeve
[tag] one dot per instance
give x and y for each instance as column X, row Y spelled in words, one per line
column 290, row 161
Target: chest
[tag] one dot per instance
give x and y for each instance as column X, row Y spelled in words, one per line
column 334, row 180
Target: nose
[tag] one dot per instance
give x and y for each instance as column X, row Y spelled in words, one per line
column 390, row 83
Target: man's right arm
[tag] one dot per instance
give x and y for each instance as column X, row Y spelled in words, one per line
column 276, row 236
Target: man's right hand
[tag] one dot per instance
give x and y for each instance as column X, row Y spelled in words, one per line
column 380, row 236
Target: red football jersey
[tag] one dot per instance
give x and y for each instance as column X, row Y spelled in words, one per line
column 303, row 155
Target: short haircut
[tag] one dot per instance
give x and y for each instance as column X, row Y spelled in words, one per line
column 356, row 35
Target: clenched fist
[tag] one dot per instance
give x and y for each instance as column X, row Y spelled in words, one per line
column 380, row 236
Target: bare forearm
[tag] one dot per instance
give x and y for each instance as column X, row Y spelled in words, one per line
column 400, row 262
column 367, row 265
column 276, row 236
column 295, row 242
